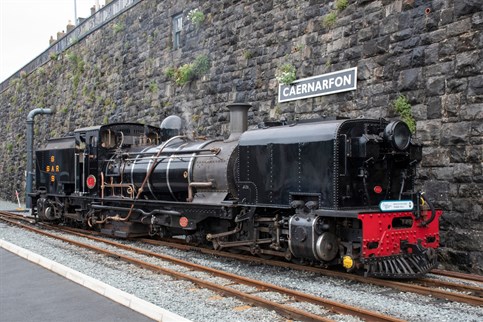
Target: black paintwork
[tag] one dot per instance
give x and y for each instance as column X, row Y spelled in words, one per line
column 55, row 166
column 323, row 161
column 298, row 186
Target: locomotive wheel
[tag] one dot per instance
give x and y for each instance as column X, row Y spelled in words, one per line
column 298, row 261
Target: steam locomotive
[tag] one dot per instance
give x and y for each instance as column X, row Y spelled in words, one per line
column 324, row 192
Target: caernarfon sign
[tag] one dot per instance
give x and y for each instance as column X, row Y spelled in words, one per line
column 336, row 82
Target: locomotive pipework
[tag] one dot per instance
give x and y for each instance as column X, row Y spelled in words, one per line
column 324, row 192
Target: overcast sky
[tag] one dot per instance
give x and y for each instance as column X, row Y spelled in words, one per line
column 26, row 27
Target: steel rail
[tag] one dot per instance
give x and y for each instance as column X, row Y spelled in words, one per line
column 401, row 286
column 282, row 309
column 464, row 276
column 475, row 290
column 405, row 287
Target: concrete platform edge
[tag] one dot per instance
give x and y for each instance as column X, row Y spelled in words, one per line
column 139, row 305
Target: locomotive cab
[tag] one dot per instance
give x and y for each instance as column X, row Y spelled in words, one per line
column 86, row 160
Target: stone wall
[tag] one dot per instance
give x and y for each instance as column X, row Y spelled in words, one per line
column 431, row 52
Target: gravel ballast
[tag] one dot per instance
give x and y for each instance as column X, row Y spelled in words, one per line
column 192, row 302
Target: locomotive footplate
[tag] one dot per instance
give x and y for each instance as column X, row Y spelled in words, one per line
column 414, row 263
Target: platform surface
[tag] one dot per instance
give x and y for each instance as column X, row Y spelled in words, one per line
column 29, row 292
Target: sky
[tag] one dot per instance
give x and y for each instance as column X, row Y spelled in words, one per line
column 26, row 27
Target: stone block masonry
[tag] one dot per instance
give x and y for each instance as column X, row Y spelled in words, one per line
column 431, row 52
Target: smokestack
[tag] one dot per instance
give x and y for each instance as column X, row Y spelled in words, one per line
column 238, row 119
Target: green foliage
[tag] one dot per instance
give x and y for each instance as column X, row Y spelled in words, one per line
column 247, row 54
column 329, row 19
column 286, row 74
column 191, row 71
column 84, row 90
column 53, row 133
column 76, row 61
column 403, row 108
column 9, row 147
column 170, row 72
column 341, row 4
column 201, row 65
column 53, row 56
column 78, row 67
column 40, row 71
column 153, row 87
column 75, row 80
column 16, row 83
column 118, row 27
column 71, row 57
column 197, row 17
column 184, row 74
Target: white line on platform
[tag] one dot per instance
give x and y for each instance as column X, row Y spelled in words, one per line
column 146, row 308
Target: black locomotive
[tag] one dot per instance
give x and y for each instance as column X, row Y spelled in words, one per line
column 325, row 192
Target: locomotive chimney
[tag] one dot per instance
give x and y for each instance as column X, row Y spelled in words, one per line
column 238, row 119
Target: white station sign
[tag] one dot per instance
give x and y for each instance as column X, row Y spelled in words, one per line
column 331, row 83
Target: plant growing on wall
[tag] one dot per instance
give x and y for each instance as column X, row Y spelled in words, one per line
column 403, row 108
column 153, row 87
column 184, row 74
column 170, row 72
column 201, row 65
column 118, row 27
column 286, row 74
column 329, row 19
column 78, row 67
column 247, row 54
column 190, row 71
column 196, row 16
column 341, row 4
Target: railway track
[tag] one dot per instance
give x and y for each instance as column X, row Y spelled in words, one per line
column 428, row 282
column 463, row 276
column 470, row 294
column 227, row 288
column 463, row 293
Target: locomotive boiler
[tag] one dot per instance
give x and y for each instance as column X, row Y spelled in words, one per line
column 324, row 192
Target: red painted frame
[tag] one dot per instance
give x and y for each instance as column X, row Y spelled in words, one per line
column 377, row 228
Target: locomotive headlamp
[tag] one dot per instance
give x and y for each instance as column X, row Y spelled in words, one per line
column 398, row 135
